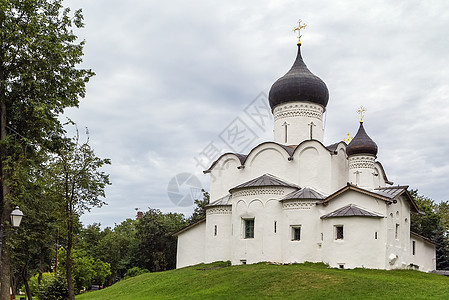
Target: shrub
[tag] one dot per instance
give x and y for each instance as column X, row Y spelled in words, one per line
column 135, row 272
column 55, row 288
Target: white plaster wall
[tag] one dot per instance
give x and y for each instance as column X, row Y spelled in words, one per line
column 265, row 209
column 302, row 213
column 398, row 213
column 313, row 166
column 224, row 176
column 298, row 116
column 358, row 248
column 425, row 254
column 361, row 171
column 339, row 172
column 190, row 249
column 218, row 247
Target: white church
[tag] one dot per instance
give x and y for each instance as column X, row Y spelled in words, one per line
column 295, row 199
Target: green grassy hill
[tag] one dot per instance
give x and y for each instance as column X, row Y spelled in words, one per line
column 302, row 281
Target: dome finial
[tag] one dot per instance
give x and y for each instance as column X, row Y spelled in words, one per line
column 361, row 111
column 299, row 31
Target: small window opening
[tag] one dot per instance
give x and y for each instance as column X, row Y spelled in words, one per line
column 341, row 266
column 243, row 261
column 375, row 235
column 339, row 232
column 215, row 230
column 396, row 232
column 275, row 223
column 296, row 233
column 413, row 247
column 249, row 228
column 322, row 236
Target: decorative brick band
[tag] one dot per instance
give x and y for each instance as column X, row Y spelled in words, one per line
column 361, row 162
column 219, row 210
column 298, row 204
column 259, row 191
column 298, row 110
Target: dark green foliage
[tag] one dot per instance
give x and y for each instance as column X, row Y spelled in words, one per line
column 433, row 225
column 55, row 288
column 199, row 211
column 156, row 245
column 136, row 271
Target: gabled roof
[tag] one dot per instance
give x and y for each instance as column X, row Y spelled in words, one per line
column 387, row 194
column 357, row 189
column 351, row 210
column 221, row 201
column 395, row 191
column 304, row 193
column 264, row 180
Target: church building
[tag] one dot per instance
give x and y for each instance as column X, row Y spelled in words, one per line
column 295, row 199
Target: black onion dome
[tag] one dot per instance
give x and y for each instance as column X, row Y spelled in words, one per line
column 361, row 144
column 299, row 84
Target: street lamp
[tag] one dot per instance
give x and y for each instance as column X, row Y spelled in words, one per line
column 16, row 217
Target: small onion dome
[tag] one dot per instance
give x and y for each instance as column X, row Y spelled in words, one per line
column 299, row 84
column 361, row 144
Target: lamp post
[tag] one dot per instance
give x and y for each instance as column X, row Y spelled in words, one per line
column 16, row 217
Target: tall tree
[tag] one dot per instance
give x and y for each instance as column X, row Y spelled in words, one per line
column 79, row 183
column 38, row 80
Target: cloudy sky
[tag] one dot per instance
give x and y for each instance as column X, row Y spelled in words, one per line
column 172, row 75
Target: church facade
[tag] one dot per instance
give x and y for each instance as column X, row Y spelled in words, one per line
column 295, row 199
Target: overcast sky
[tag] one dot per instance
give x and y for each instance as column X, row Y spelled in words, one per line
column 171, row 76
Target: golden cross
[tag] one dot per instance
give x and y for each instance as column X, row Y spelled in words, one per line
column 348, row 139
column 299, row 31
column 361, row 112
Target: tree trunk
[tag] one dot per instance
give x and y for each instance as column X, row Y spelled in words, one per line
column 27, row 289
column 69, row 257
column 5, row 271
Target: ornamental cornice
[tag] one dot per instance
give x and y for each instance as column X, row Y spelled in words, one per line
column 298, row 204
column 259, row 191
column 219, row 210
column 298, row 110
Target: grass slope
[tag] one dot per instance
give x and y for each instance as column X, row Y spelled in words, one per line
column 301, row 281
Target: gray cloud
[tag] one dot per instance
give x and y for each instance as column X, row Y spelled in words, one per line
column 172, row 75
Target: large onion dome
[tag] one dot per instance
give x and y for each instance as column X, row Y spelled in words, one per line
column 299, row 84
column 361, row 144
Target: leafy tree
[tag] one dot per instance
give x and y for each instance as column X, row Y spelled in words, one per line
column 39, row 78
column 425, row 225
column 156, row 245
column 199, row 211
column 87, row 270
column 79, row 184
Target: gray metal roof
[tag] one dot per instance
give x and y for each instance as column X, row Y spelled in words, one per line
column 221, row 201
column 264, row 180
column 351, row 210
column 391, row 192
column 305, row 193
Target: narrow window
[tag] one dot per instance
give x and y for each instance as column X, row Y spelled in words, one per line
column 322, row 236
column 275, row 223
column 375, row 235
column 296, row 233
column 249, row 228
column 339, row 232
column 215, row 230
column 413, row 247
column 396, row 232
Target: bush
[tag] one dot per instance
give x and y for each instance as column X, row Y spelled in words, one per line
column 135, row 272
column 34, row 286
column 55, row 288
